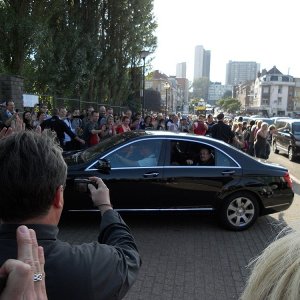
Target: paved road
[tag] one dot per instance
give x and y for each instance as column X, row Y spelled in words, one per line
column 186, row 257
column 190, row 257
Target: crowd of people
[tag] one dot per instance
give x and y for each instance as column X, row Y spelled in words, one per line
column 37, row 265
column 81, row 129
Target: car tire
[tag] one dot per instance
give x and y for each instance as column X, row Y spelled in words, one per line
column 239, row 211
column 291, row 154
column 275, row 150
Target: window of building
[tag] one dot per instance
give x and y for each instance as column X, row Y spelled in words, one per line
column 285, row 78
column 265, row 101
column 274, row 78
column 265, row 90
column 279, row 90
column 279, row 100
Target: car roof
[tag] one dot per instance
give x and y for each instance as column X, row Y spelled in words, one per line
column 289, row 120
column 264, row 119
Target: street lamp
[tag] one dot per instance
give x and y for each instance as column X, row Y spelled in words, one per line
column 143, row 54
column 167, row 87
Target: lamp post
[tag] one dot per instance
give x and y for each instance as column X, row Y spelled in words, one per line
column 167, row 86
column 143, row 55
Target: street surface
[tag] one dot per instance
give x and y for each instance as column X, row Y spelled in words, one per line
column 191, row 257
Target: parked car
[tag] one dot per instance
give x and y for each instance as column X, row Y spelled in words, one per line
column 287, row 137
column 276, row 119
column 147, row 171
column 270, row 121
column 245, row 118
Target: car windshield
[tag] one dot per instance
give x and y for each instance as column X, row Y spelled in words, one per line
column 94, row 151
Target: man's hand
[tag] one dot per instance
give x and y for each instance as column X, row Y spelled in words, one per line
column 18, row 125
column 189, row 162
column 20, row 273
column 100, row 195
column 81, row 141
column 5, row 132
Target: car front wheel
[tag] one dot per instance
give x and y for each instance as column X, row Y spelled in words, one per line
column 239, row 211
column 291, row 154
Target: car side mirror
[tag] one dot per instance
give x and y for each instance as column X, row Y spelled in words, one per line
column 103, row 166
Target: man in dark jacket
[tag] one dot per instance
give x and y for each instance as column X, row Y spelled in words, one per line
column 32, row 178
column 223, row 132
column 60, row 127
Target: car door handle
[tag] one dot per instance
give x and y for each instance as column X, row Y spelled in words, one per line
column 152, row 175
column 231, row 172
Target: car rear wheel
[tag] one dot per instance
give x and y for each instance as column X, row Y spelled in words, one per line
column 239, row 211
column 275, row 150
column 291, row 154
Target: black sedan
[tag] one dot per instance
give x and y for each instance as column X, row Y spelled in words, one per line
column 161, row 171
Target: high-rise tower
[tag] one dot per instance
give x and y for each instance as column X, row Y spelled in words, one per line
column 240, row 71
column 201, row 63
column 181, row 70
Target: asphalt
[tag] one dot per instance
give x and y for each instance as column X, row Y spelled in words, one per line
column 185, row 257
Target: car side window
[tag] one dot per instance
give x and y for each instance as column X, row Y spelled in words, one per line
column 187, row 153
column 145, row 153
column 296, row 128
column 222, row 160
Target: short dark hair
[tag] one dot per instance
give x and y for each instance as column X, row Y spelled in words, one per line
column 55, row 111
column 94, row 112
column 220, row 116
column 32, row 168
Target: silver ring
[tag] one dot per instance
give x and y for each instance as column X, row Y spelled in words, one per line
column 37, row 277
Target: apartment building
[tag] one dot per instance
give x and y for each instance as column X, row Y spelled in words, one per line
column 238, row 72
column 274, row 92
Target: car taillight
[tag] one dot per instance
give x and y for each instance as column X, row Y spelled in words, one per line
column 288, row 180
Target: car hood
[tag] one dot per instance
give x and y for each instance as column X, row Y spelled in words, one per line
column 73, row 158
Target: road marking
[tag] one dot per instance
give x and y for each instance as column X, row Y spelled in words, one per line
column 294, row 179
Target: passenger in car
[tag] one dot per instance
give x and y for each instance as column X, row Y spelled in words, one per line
column 203, row 158
column 146, row 158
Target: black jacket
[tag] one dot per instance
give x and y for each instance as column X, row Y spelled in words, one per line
column 99, row 270
column 60, row 127
column 222, row 131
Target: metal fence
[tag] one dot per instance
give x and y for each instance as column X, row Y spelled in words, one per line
column 72, row 104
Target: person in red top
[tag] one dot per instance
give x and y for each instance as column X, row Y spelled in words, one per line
column 91, row 130
column 199, row 126
column 124, row 125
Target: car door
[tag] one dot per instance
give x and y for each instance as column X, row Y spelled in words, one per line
column 196, row 187
column 284, row 138
column 132, row 185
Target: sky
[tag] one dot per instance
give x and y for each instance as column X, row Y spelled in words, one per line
column 239, row 30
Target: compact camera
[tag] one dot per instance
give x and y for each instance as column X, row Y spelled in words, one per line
column 81, row 185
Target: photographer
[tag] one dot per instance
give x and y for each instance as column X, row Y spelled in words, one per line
column 32, row 178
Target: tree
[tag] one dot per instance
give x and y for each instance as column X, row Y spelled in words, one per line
column 229, row 105
column 200, row 88
column 77, row 49
column 20, row 22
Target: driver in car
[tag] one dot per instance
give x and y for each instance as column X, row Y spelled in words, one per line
column 147, row 158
